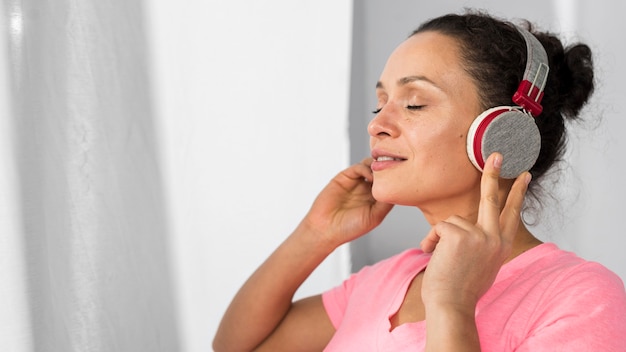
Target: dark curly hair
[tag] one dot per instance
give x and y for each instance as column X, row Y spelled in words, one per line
column 494, row 55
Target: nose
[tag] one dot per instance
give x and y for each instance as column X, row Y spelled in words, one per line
column 384, row 123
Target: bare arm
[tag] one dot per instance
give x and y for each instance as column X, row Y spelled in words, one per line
column 262, row 315
column 265, row 301
column 305, row 328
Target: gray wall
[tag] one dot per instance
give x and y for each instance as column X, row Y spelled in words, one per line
column 586, row 216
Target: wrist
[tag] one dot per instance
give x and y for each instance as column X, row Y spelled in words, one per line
column 451, row 328
column 317, row 237
column 314, row 239
column 451, row 311
column 452, row 300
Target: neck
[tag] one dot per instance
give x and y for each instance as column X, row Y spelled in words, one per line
column 524, row 240
column 466, row 206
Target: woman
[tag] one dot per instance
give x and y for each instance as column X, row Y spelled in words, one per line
column 481, row 280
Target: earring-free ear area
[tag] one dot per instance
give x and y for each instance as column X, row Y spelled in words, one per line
column 508, row 131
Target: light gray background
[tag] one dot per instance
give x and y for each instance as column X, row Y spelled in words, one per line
column 154, row 153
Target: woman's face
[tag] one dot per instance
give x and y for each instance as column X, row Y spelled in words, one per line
column 426, row 103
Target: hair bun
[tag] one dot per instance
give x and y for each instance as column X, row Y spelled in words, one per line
column 571, row 80
column 578, row 72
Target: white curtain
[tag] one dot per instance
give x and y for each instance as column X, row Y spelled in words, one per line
column 82, row 269
column 153, row 154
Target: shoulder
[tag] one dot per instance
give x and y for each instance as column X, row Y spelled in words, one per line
column 549, row 263
column 587, row 285
column 578, row 302
column 566, row 270
column 553, row 283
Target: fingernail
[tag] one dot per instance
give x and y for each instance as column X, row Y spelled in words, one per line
column 528, row 178
column 497, row 161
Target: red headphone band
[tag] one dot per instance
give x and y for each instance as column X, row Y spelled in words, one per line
column 530, row 90
column 480, row 132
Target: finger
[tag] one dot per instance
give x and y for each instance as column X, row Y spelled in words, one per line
column 511, row 213
column 429, row 242
column 367, row 162
column 489, row 207
column 443, row 229
column 360, row 170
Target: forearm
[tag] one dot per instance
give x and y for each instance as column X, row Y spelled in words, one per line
column 267, row 295
column 451, row 329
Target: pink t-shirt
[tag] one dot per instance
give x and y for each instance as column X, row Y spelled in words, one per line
column 545, row 299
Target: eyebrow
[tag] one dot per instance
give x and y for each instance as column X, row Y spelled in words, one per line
column 409, row 79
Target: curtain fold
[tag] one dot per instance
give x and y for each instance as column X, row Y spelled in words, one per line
column 16, row 332
column 89, row 227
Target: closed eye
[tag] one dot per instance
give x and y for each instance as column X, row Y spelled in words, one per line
column 410, row 107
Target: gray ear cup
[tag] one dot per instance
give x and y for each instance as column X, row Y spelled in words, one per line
column 509, row 132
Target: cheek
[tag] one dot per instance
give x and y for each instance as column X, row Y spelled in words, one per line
column 458, row 167
column 446, row 155
column 441, row 144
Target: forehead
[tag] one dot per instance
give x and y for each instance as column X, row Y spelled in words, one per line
column 428, row 54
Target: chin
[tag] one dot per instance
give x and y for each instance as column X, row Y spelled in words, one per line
column 389, row 196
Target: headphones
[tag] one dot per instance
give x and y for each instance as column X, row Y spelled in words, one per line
column 511, row 130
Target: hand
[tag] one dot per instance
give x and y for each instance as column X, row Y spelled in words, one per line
column 467, row 257
column 346, row 209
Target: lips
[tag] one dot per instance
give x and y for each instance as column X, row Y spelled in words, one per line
column 384, row 160
column 388, row 158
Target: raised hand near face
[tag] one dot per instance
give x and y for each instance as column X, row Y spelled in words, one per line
column 346, row 209
column 466, row 256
